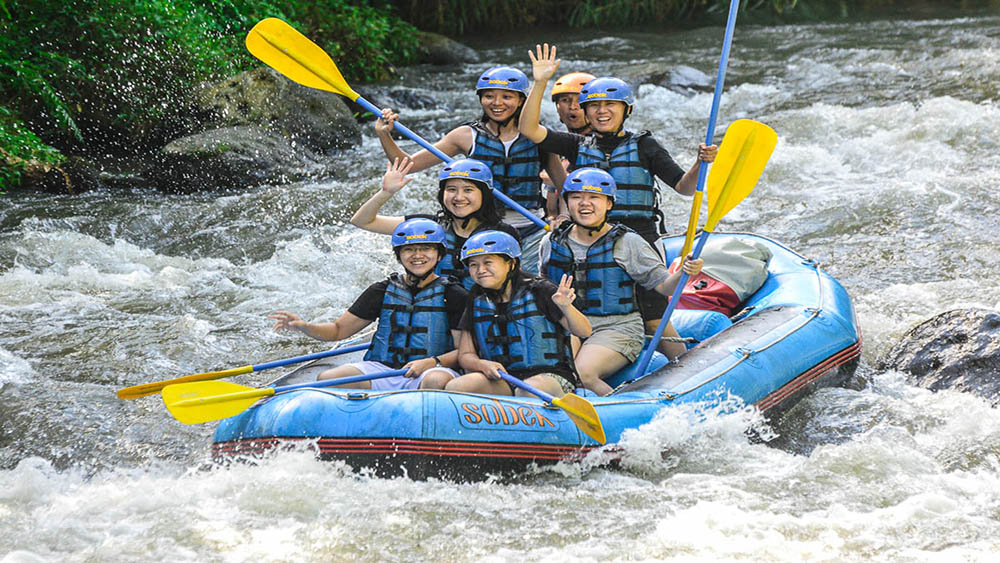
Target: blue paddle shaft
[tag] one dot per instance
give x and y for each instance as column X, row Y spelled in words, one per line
column 529, row 388
column 307, row 357
column 445, row 158
column 341, row 380
column 720, row 79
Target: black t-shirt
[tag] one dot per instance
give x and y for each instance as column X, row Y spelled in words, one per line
column 368, row 305
column 652, row 156
column 543, row 290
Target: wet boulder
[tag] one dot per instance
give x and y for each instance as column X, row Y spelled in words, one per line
column 233, row 157
column 440, row 50
column 683, row 79
column 958, row 349
column 264, row 98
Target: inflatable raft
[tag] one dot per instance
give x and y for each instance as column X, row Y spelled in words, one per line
column 797, row 332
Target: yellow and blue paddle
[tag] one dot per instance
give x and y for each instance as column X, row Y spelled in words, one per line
column 580, row 410
column 742, row 156
column 136, row 391
column 204, row 401
column 283, row 48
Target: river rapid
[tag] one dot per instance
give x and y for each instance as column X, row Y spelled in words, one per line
column 886, row 172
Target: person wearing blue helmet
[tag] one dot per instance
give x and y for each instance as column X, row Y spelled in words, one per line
column 465, row 193
column 607, row 261
column 515, row 322
column 417, row 313
column 635, row 160
column 494, row 139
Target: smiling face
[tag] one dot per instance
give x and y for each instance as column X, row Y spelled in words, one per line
column 570, row 112
column 489, row 270
column 588, row 209
column 605, row 116
column 419, row 259
column 500, row 105
column 461, row 197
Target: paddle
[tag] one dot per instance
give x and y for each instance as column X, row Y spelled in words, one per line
column 194, row 403
column 580, row 411
column 145, row 389
column 287, row 51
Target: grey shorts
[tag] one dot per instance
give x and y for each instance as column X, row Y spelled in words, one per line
column 564, row 383
column 623, row 334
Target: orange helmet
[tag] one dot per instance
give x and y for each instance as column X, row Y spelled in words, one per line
column 570, row 83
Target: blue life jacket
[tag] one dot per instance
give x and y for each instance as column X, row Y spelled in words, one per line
column 515, row 172
column 451, row 265
column 602, row 286
column 411, row 327
column 637, row 194
column 519, row 336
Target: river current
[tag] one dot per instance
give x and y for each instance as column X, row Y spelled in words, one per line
column 886, row 172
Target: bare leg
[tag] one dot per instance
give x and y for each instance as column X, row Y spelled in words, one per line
column 669, row 349
column 543, row 383
column 345, row 371
column 478, row 383
column 595, row 362
column 435, row 379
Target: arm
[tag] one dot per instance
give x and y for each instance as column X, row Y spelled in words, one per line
column 347, row 325
column 557, row 174
column 543, row 67
column 448, row 360
column 573, row 320
column 458, row 140
column 689, row 182
column 470, row 360
column 690, row 267
column 367, row 217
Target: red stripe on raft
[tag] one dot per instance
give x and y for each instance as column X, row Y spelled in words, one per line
column 795, row 385
column 408, row 446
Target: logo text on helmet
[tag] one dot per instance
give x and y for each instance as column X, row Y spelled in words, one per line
column 597, row 95
column 502, row 82
column 592, row 189
column 458, row 173
column 411, row 237
column 474, row 251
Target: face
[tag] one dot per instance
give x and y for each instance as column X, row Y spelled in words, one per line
column 605, row 116
column 489, row 270
column 461, row 197
column 588, row 209
column 500, row 105
column 570, row 112
column 419, row 259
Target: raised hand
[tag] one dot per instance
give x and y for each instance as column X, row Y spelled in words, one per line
column 566, row 294
column 545, row 63
column 396, row 175
column 287, row 321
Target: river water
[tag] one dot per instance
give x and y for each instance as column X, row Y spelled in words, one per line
column 886, row 172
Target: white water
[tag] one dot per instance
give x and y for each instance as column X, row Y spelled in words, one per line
column 886, row 172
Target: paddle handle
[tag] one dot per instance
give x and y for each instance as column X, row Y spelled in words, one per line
column 308, row 357
column 529, row 388
column 341, row 380
column 445, row 158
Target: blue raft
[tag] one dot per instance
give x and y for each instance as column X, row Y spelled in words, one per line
column 797, row 332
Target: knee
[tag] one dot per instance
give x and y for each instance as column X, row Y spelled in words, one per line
column 436, row 379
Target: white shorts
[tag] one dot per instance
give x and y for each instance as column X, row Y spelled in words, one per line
column 396, row 382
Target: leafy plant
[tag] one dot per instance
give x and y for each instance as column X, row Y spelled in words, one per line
column 20, row 149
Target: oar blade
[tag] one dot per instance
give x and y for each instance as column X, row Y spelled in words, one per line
column 743, row 154
column 204, row 401
column 583, row 414
column 145, row 389
column 287, row 51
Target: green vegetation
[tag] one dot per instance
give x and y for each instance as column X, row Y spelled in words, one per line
column 116, row 76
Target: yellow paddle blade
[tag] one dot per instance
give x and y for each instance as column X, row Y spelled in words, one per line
column 194, row 403
column 287, row 51
column 583, row 414
column 742, row 156
column 136, row 391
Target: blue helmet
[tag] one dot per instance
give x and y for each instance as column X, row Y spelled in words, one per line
column 607, row 88
column 417, row 231
column 503, row 78
column 467, row 169
column 593, row 180
column 491, row 242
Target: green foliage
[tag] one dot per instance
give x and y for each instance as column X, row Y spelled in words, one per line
column 19, row 149
column 106, row 71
